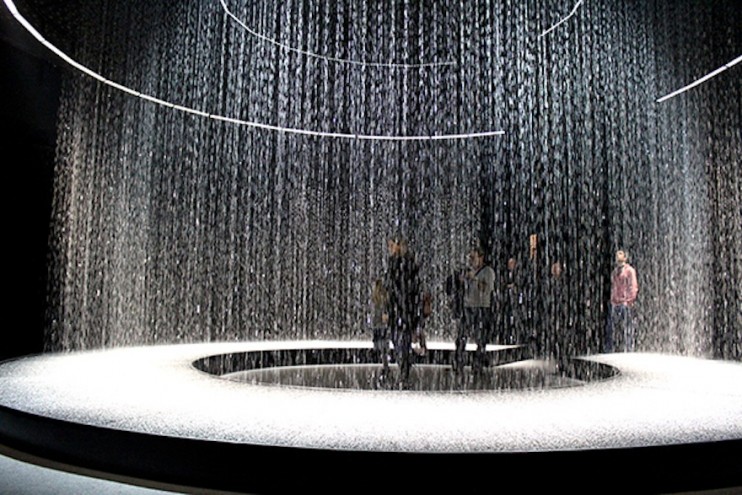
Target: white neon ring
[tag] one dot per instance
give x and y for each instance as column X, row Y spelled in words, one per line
column 328, row 59
column 701, row 80
column 573, row 12
column 14, row 11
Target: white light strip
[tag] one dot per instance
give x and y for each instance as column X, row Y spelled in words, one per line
column 701, row 80
column 14, row 11
column 574, row 10
column 328, row 59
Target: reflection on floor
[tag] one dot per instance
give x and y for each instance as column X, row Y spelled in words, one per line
column 23, row 474
column 426, row 377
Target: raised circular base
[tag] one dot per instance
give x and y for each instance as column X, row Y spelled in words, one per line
column 177, row 414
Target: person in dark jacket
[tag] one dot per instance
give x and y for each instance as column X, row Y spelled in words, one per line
column 404, row 304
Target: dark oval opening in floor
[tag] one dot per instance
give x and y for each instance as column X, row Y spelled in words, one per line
column 354, row 368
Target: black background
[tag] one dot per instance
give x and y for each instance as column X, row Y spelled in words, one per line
column 29, row 94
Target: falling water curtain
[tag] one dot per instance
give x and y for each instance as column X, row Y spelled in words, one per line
column 174, row 227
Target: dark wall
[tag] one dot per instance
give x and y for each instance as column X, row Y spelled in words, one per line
column 29, row 88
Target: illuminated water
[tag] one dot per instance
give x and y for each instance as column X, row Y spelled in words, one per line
column 171, row 227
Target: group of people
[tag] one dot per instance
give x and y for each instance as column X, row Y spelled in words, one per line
column 400, row 308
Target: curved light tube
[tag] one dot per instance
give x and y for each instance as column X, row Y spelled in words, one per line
column 14, row 11
column 327, row 59
column 573, row 12
column 701, row 80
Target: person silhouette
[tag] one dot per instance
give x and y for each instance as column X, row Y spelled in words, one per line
column 380, row 326
column 404, row 305
column 624, row 289
column 479, row 283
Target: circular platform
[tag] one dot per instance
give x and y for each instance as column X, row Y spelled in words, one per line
column 182, row 414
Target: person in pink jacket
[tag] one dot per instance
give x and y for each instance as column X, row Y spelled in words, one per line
column 624, row 289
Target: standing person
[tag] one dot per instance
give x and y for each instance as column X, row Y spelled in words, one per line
column 477, row 323
column 403, row 285
column 455, row 289
column 624, row 289
column 554, row 332
column 379, row 324
column 420, row 336
column 513, row 304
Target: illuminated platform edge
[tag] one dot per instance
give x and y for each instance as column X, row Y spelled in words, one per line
column 674, row 423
